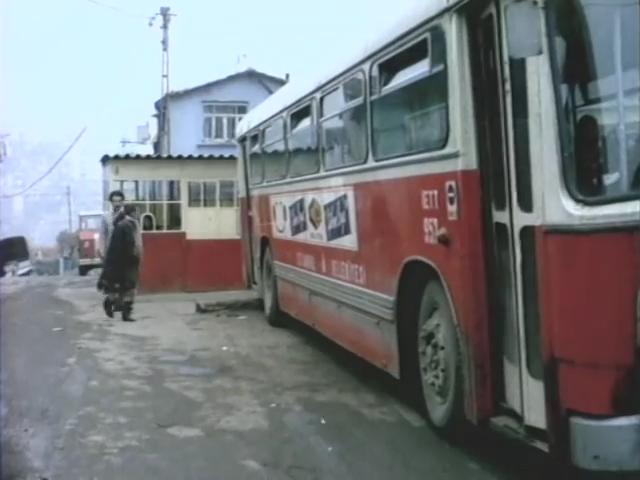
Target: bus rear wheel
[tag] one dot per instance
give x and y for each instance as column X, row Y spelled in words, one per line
column 270, row 291
column 439, row 361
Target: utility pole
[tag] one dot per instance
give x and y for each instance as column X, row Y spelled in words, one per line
column 3, row 146
column 69, row 207
column 166, row 18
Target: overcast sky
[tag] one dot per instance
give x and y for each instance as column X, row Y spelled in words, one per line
column 67, row 64
column 70, row 63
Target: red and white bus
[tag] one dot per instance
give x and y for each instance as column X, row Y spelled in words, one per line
column 458, row 202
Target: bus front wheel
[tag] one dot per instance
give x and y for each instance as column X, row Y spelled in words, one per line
column 270, row 291
column 439, row 360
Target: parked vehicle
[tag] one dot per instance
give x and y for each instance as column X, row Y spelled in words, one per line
column 15, row 260
column 458, row 204
column 89, row 255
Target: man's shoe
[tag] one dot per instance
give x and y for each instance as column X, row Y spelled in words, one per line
column 127, row 308
column 107, row 304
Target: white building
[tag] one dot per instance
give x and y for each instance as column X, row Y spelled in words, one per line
column 189, row 216
column 201, row 120
column 187, row 191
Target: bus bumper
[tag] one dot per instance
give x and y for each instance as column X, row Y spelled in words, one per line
column 611, row 444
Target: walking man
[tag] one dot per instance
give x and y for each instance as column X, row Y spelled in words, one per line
column 121, row 267
column 116, row 198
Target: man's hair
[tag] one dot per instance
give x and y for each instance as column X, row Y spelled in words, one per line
column 116, row 193
column 130, row 209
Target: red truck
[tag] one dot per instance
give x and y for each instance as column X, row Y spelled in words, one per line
column 89, row 242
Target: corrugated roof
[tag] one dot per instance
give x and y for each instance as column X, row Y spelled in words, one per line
column 108, row 158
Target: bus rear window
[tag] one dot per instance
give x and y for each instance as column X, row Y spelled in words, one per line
column 409, row 99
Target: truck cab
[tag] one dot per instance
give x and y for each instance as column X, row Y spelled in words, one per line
column 89, row 232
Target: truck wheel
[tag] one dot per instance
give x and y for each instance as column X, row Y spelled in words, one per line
column 439, row 360
column 82, row 270
column 270, row 291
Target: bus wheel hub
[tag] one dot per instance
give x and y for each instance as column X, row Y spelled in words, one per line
column 433, row 356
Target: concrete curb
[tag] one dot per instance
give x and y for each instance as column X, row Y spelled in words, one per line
column 212, row 307
column 207, row 301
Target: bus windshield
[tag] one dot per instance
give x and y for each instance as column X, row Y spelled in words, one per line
column 596, row 53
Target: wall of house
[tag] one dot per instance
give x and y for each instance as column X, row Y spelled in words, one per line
column 171, row 263
column 186, row 115
column 206, row 253
column 198, row 223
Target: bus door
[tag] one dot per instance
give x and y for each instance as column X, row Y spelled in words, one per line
column 248, row 221
column 509, row 222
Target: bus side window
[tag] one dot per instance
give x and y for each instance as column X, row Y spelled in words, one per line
column 274, row 152
column 302, row 143
column 343, row 124
column 409, row 99
column 254, row 159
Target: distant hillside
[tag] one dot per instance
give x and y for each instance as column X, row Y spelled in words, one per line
column 41, row 213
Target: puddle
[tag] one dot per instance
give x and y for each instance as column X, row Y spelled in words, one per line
column 185, row 370
column 195, row 371
column 185, row 432
column 173, row 358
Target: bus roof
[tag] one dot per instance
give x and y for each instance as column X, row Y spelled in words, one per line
column 297, row 89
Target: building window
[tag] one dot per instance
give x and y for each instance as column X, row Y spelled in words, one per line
column 214, row 193
column 228, row 193
column 220, row 120
column 158, row 202
column 209, row 194
column 195, row 194
column 148, row 222
column 129, row 188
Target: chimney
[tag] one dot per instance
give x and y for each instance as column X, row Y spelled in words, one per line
column 286, row 78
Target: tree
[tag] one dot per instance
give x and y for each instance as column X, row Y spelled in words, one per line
column 67, row 243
